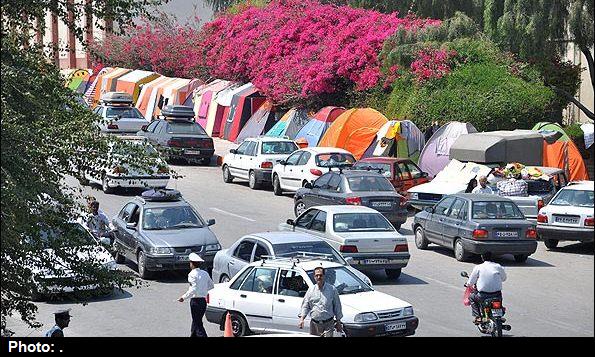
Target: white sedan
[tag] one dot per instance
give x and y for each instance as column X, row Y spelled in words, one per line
column 266, row 297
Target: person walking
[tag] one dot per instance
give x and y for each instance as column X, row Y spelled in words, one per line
column 200, row 284
column 483, row 187
column 323, row 304
column 62, row 319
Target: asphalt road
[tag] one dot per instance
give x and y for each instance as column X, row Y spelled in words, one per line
column 549, row 295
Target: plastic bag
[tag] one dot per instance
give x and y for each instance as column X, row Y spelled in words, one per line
column 468, row 292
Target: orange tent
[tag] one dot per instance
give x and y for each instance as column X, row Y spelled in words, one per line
column 565, row 155
column 354, row 130
column 132, row 81
column 108, row 83
column 146, row 95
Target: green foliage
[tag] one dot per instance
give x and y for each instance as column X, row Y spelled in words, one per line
column 575, row 132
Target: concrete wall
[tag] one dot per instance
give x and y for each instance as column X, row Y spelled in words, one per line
column 573, row 114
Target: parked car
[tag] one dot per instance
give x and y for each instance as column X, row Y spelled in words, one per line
column 178, row 136
column 118, row 114
column 158, row 231
column 474, row 224
column 253, row 160
column 403, row 174
column 255, row 246
column 353, row 187
column 306, row 165
column 124, row 175
column 568, row 216
column 361, row 234
column 266, row 297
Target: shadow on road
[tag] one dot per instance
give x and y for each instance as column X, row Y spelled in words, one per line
column 378, row 277
column 505, row 260
column 116, row 294
column 574, row 248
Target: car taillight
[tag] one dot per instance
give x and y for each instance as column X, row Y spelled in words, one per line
column 174, row 143
column 542, row 218
column 120, row 170
column 353, row 201
column 207, row 298
column 539, row 205
column 590, row 221
column 531, row 233
column 401, row 248
column 316, row 172
column 112, row 126
column 480, row 233
column 347, row 249
column 496, row 304
column 266, row 165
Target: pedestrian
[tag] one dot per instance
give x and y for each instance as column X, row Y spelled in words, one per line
column 97, row 222
column 62, row 318
column 200, row 284
column 323, row 304
column 483, row 187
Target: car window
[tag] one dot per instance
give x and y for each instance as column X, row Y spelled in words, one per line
column 294, row 158
column 305, row 219
column 382, row 168
column 333, row 159
column 414, row 170
column 309, row 248
column 123, row 112
column 369, row 183
column 319, row 222
column 456, row 208
column 334, row 183
column 152, row 126
column 539, row 187
column 278, row 147
column 343, row 280
column 98, row 110
column 291, row 283
column 443, row 206
column 496, row 210
column 135, row 216
column 403, row 171
column 304, row 158
column 322, row 181
column 176, row 217
column 251, row 150
column 126, row 211
column 243, row 148
column 185, row 127
column 244, row 250
column 260, row 251
column 261, row 280
column 463, row 213
column 361, row 222
column 236, row 283
column 161, row 127
column 578, row 198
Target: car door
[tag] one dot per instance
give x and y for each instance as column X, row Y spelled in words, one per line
column 237, row 167
column 452, row 222
column 404, row 176
column 435, row 223
column 416, row 174
column 129, row 236
column 255, row 298
column 148, row 133
column 260, row 251
column 288, row 174
column 249, row 161
column 240, row 257
column 331, row 194
column 287, row 301
column 313, row 197
column 303, row 222
column 301, row 170
column 119, row 223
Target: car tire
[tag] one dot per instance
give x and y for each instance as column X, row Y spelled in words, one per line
column 460, row 253
column 550, row 243
column 104, row 186
column 299, row 208
column 393, row 273
column 143, row 273
column 252, row 181
column 277, row 186
column 227, row 177
column 239, row 325
column 224, row 279
column 206, row 161
column 520, row 258
column 120, row 259
column 421, row 241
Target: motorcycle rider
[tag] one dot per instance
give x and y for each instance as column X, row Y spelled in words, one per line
column 487, row 277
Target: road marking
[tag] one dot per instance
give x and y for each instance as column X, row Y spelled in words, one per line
column 458, row 288
column 232, row 214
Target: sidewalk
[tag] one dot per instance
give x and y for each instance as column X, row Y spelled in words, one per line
column 221, row 149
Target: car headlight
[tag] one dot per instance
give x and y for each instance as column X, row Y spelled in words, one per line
column 408, row 311
column 365, row 317
column 413, row 196
column 161, row 251
column 213, row 247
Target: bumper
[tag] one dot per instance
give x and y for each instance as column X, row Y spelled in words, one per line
column 137, row 181
column 196, row 155
column 215, row 314
column 379, row 328
column 166, row 263
column 264, row 175
column 565, row 233
column 523, row 246
column 421, row 204
column 398, row 216
column 382, row 261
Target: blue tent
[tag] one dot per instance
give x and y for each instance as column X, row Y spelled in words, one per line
column 316, row 127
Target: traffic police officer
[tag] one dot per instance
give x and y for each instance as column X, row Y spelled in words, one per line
column 200, row 284
column 62, row 320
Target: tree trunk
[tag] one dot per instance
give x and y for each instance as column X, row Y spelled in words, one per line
column 571, row 98
column 589, row 57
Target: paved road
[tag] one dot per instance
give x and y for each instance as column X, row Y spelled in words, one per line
column 550, row 295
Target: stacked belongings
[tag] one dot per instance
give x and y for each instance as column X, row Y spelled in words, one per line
column 510, row 180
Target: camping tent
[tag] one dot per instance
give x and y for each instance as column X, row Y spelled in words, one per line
column 203, row 97
column 89, row 95
column 435, row 154
column 398, row 139
column 77, row 80
column 563, row 153
column 317, row 126
column 107, row 82
column 243, row 104
column 354, row 130
column 217, row 108
column 231, row 98
column 171, row 93
column 132, row 81
column 261, row 121
column 156, row 98
column 147, row 96
column 289, row 124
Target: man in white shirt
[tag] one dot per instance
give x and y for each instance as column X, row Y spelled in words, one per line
column 483, row 187
column 323, row 304
column 98, row 222
column 200, row 284
column 487, row 278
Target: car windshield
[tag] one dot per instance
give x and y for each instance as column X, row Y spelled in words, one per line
column 334, row 159
column 179, row 217
column 278, row 147
column 307, row 249
column 123, row 112
column 185, row 127
column 369, row 183
column 343, row 280
column 496, row 210
column 384, row 169
column 361, row 222
column 578, row 198
column 80, row 236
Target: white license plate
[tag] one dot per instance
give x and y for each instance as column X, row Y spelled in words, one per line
column 375, row 261
column 571, row 220
column 192, row 152
column 395, row 327
column 497, row 312
column 381, row 204
column 507, row 234
column 182, row 258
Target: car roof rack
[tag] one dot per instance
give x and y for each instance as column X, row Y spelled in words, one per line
column 178, row 112
column 298, row 257
column 160, row 195
column 117, row 98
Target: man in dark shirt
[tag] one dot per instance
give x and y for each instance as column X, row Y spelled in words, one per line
column 62, row 320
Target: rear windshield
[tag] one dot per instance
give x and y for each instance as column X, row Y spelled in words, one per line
column 180, row 127
column 369, row 183
column 496, row 210
column 307, row 249
column 278, row 147
column 123, row 112
column 384, row 169
column 326, row 160
column 361, row 222
column 578, row 198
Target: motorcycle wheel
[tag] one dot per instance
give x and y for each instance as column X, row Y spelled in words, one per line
column 497, row 331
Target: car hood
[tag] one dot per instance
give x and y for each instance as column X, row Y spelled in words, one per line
column 439, row 187
column 181, row 237
column 370, row 301
column 97, row 253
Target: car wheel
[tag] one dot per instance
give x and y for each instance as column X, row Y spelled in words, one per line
column 520, row 258
column 393, row 273
column 224, row 279
column 277, row 186
column 252, row 181
column 206, row 161
column 420, row 239
column 227, row 177
column 460, row 253
column 299, row 208
column 142, row 266
column 239, row 326
column 104, row 186
column 120, row 259
column 550, row 243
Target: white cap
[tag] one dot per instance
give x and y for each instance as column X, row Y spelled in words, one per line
column 193, row 257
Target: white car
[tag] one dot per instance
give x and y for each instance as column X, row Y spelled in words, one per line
column 361, row 234
column 306, row 165
column 254, row 159
column 568, row 216
column 125, row 176
column 266, row 297
column 118, row 114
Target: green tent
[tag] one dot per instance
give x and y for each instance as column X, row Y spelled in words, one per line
column 547, row 126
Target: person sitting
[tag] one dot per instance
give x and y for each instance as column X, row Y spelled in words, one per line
column 483, row 187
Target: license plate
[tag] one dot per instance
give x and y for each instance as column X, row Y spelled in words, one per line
column 383, row 204
column 375, row 261
column 182, row 258
column 566, row 219
column 395, row 327
column 192, row 152
column 497, row 312
column 507, row 234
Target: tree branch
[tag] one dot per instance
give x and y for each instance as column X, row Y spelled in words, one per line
column 589, row 57
column 571, row 98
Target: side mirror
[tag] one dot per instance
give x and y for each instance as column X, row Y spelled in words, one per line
column 308, row 185
column 464, row 274
column 283, row 162
column 291, row 222
column 210, row 222
column 143, row 128
column 131, row 225
column 349, row 260
column 429, row 209
column 233, row 151
column 424, row 174
column 105, row 241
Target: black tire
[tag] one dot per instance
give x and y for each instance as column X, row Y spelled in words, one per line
column 277, row 186
column 106, row 189
column 497, row 328
column 205, row 161
column 120, row 259
column 224, row 279
column 143, row 273
column 252, row 181
column 520, row 258
column 239, row 325
column 420, row 238
column 460, row 253
column 299, row 208
column 227, row 176
column 550, row 243
column 393, row 273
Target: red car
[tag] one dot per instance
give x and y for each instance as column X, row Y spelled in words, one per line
column 402, row 173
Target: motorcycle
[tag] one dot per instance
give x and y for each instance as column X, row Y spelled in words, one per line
column 492, row 313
